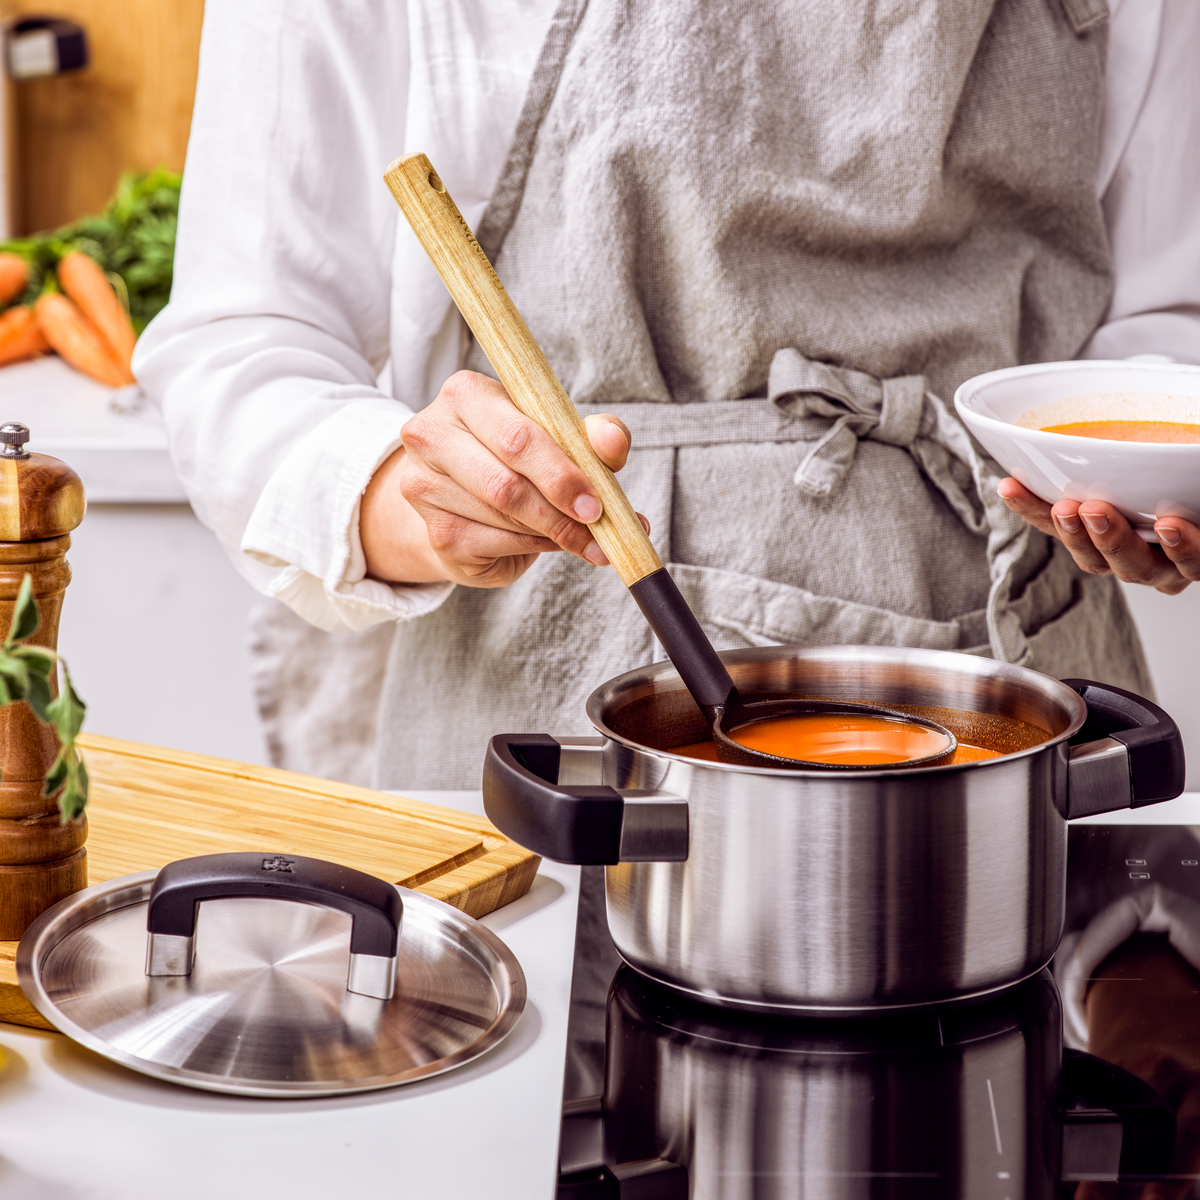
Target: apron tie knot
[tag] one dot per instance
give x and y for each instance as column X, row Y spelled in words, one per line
column 838, row 407
column 900, row 411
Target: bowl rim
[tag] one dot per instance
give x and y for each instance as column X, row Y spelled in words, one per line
column 968, row 392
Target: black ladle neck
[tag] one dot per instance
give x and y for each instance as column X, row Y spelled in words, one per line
column 686, row 644
column 713, row 690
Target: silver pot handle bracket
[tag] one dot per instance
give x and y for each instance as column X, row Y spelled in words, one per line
column 1129, row 753
column 548, row 794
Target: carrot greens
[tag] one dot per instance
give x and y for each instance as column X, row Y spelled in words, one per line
column 133, row 240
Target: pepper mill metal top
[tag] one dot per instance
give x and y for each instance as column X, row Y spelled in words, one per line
column 13, row 436
column 40, row 497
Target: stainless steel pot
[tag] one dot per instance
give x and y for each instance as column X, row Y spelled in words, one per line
column 823, row 893
column 979, row 1103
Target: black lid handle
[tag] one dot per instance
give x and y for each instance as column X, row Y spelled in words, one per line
column 374, row 906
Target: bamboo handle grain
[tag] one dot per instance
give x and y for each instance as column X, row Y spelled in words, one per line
column 512, row 350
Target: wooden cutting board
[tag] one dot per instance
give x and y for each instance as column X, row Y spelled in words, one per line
column 149, row 806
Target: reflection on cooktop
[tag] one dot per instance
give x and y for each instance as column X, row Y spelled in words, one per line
column 670, row 1099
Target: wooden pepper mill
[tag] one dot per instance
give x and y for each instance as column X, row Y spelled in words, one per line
column 41, row 859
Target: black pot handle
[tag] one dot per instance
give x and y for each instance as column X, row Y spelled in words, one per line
column 651, row 1179
column 593, row 825
column 1112, row 1124
column 1129, row 752
column 374, row 906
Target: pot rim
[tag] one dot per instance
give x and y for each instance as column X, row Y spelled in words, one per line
column 969, row 664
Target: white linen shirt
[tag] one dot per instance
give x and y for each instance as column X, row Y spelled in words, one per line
column 296, row 282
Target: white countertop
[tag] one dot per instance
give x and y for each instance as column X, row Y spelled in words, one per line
column 114, row 439
column 75, row 1127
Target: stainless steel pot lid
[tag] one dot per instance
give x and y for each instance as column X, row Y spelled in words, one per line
column 258, row 1000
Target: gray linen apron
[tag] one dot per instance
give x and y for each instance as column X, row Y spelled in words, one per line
column 774, row 237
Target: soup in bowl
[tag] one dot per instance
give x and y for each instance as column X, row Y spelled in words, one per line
column 1124, row 432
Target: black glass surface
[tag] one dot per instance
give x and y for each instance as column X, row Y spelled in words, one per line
column 669, row 1099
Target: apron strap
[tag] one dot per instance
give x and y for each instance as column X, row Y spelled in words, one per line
column 1086, row 16
column 839, row 406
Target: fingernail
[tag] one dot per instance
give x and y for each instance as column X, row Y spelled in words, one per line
column 595, row 555
column 587, row 509
column 621, row 431
column 1068, row 524
column 1096, row 522
column 1168, row 535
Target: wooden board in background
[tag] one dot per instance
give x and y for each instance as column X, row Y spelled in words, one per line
column 130, row 109
column 150, row 806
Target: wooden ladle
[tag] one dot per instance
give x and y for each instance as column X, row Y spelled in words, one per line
column 536, row 391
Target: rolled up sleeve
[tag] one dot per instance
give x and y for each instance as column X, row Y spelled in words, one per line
column 265, row 362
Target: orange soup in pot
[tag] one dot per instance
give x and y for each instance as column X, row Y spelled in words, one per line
column 839, row 739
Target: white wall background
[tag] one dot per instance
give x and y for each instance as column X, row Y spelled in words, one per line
column 1170, row 629
column 154, row 631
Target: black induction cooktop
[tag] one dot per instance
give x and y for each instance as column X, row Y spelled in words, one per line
column 669, row 1099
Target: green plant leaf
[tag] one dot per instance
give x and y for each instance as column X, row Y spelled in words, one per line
column 69, row 773
column 39, row 697
column 57, row 775
column 68, row 802
column 16, row 675
column 25, row 619
column 39, row 660
column 66, row 712
column 71, row 801
column 65, row 718
column 25, row 674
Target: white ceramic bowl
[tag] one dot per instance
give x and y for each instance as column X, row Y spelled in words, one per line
column 1144, row 480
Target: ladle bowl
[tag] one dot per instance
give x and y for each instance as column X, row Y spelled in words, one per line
column 738, row 716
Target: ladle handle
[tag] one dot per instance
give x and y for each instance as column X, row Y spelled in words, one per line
column 535, row 390
column 512, row 350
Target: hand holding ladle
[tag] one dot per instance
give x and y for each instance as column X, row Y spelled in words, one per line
column 536, row 391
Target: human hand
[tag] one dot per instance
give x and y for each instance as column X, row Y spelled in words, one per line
column 1102, row 541
column 478, row 491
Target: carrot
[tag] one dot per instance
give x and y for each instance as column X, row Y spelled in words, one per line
column 14, row 276
column 20, row 336
column 86, row 284
column 78, row 341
